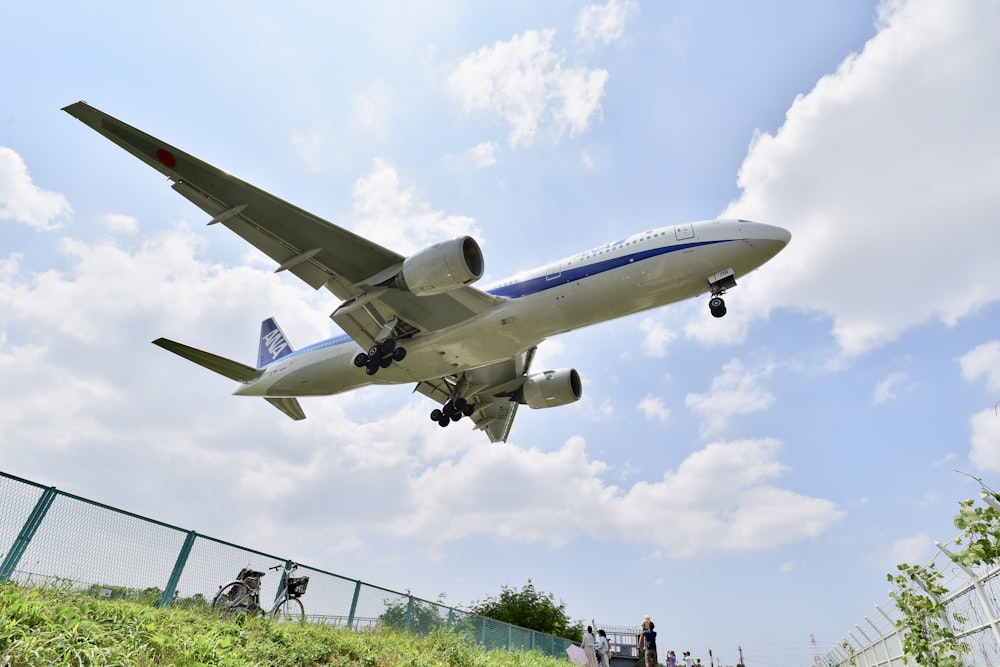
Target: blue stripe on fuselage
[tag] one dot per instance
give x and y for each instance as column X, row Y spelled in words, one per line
column 542, row 283
column 574, row 273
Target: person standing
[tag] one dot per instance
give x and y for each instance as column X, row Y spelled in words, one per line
column 640, row 641
column 671, row 659
column 589, row 647
column 649, row 643
column 687, row 659
column 603, row 648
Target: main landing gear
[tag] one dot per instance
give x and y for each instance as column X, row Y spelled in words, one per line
column 380, row 355
column 452, row 411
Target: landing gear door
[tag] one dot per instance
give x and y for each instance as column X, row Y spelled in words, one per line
column 683, row 232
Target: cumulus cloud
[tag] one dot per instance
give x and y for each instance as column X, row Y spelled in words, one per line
column 737, row 391
column 604, row 23
column 657, row 336
column 983, row 362
column 484, row 154
column 894, row 155
column 394, row 216
column 914, row 549
column 525, row 82
column 889, row 388
column 719, row 498
column 985, row 439
column 24, row 202
column 652, row 408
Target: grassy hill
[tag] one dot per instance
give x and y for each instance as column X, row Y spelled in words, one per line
column 52, row 627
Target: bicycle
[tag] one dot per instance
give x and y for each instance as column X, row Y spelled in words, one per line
column 242, row 596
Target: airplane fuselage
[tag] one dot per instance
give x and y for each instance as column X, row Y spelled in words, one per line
column 643, row 271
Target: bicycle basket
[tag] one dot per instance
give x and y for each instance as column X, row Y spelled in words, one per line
column 297, row 586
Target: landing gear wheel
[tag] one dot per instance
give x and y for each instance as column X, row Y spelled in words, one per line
column 469, row 409
column 373, row 351
column 385, row 362
column 361, row 360
column 387, row 346
column 436, row 415
column 456, row 416
column 371, row 368
column 460, row 403
column 399, row 354
column 717, row 306
column 444, row 421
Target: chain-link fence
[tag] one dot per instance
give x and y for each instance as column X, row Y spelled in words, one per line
column 49, row 536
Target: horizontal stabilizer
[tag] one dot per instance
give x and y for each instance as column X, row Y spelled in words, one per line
column 233, row 370
column 290, row 406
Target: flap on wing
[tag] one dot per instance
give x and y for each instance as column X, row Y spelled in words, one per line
column 489, row 388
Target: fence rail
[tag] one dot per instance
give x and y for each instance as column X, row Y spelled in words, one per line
column 48, row 535
column 970, row 610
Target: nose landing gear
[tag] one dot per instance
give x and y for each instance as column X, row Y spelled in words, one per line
column 720, row 282
column 380, row 355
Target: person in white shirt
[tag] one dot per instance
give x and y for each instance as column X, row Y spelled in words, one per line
column 603, row 649
column 589, row 645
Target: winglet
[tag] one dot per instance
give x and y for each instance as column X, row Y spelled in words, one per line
column 273, row 344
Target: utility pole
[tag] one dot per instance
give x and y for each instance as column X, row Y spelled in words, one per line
column 741, row 655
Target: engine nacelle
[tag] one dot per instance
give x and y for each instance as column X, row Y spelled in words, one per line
column 551, row 388
column 442, row 267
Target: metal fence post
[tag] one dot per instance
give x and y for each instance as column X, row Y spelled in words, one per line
column 354, row 604
column 409, row 612
column 175, row 575
column 27, row 532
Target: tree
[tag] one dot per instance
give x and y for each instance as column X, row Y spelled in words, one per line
column 530, row 609
column 412, row 614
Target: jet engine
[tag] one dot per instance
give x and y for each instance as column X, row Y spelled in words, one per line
column 549, row 389
column 442, row 267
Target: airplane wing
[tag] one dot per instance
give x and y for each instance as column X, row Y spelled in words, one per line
column 491, row 389
column 318, row 252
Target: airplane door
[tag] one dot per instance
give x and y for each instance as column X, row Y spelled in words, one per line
column 685, row 231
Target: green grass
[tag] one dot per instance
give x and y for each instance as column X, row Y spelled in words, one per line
column 54, row 627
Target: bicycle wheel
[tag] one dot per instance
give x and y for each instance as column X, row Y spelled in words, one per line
column 233, row 599
column 290, row 610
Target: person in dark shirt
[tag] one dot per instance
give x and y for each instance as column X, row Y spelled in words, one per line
column 649, row 639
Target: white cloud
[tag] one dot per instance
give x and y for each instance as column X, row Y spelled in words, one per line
column 719, row 498
column 737, row 391
column 484, row 154
column 604, row 23
column 393, row 216
column 524, row 82
column 983, row 362
column 652, row 408
column 887, row 167
column 985, row 439
column 889, row 388
column 913, row 550
column 24, row 202
column 118, row 223
column 657, row 336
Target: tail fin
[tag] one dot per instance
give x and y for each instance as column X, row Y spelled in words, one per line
column 273, row 344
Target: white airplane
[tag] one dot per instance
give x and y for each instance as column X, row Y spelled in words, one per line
column 416, row 319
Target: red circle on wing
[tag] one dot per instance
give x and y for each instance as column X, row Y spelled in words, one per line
column 166, row 158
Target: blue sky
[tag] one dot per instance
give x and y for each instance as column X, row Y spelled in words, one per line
column 746, row 481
